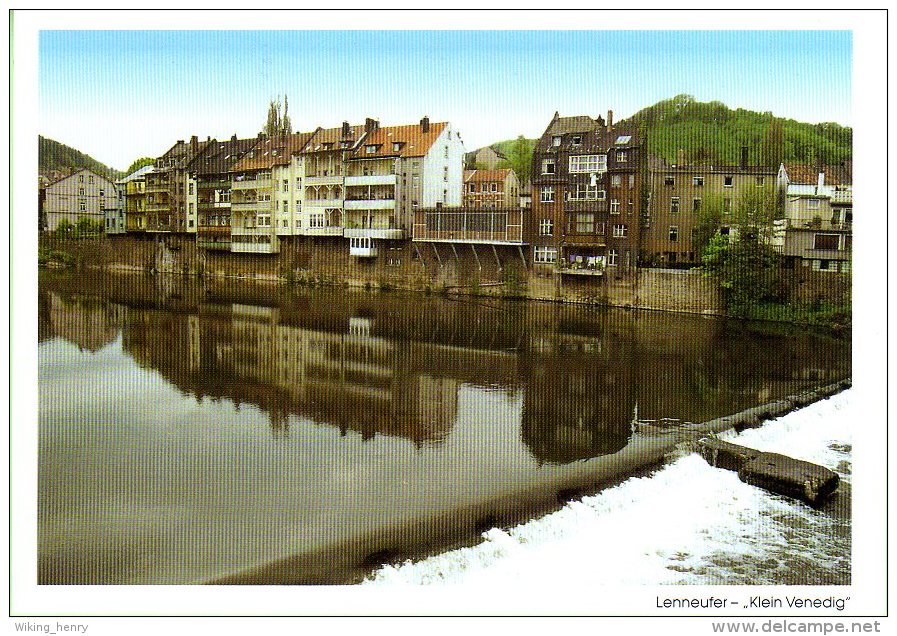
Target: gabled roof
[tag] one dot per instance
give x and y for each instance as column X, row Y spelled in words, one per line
column 412, row 140
column 77, row 172
column 140, row 173
column 479, row 176
column 181, row 153
column 578, row 123
column 220, row 156
column 328, row 139
column 809, row 174
column 273, row 151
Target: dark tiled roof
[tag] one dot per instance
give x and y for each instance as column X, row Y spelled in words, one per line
column 577, row 124
column 334, row 136
column 220, row 156
column 802, row 173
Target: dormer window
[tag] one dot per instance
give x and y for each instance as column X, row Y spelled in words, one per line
column 556, row 141
column 328, row 145
column 577, row 140
column 344, row 144
column 371, row 149
column 396, row 146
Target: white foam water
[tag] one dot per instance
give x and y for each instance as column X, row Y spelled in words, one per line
column 687, row 523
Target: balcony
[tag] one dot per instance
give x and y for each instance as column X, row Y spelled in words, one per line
column 213, row 231
column 254, row 247
column 321, row 231
column 842, row 196
column 251, row 184
column 331, row 179
column 374, row 233
column 371, row 180
column 370, row 204
column 257, row 230
column 323, row 203
column 496, row 226
column 158, row 207
column 250, row 206
column 582, row 271
column 214, row 244
column 363, row 247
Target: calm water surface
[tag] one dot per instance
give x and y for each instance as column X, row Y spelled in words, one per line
column 236, row 432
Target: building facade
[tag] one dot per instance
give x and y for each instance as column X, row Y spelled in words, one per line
column 497, row 188
column 679, row 195
column 82, row 194
column 818, row 226
column 587, row 179
column 167, row 189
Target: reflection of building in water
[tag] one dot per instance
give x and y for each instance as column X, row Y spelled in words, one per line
column 89, row 323
column 580, row 394
column 346, row 379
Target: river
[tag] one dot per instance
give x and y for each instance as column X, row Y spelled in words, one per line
column 239, row 432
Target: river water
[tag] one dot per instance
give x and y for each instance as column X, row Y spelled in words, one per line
column 240, row 432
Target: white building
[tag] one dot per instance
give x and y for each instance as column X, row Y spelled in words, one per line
column 83, row 194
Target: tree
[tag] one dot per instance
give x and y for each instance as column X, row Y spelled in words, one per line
column 773, row 150
column 707, row 225
column 137, row 164
column 277, row 124
column 521, row 159
column 744, row 263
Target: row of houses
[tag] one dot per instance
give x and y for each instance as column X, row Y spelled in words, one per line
column 595, row 201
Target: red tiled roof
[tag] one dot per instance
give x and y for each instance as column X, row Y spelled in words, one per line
column 413, row 141
column 333, row 136
column 479, row 176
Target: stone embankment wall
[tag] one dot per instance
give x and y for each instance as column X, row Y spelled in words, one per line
column 483, row 270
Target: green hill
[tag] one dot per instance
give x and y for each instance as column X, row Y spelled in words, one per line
column 53, row 155
column 711, row 132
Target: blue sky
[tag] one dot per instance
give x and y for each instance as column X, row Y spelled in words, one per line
column 119, row 95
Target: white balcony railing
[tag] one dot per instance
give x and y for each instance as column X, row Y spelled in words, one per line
column 331, row 179
column 370, row 204
column 371, row 180
column 374, row 233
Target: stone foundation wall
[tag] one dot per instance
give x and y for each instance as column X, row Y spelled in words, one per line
column 428, row 267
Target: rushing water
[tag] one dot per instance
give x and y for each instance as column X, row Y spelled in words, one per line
column 236, row 432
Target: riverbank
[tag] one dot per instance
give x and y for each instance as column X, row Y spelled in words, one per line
column 686, row 523
column 487, row 271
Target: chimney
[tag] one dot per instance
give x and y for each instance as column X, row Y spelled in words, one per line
column 261, row 136
column 600, row 121
column 680, row 156
column 233, row 139
column 425, row 124
column 193, row 142
column 744, row 157
column 345, row 129
column 610, row 120
column 821, row 180
column 370, row 125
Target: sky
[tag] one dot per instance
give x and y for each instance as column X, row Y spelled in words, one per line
column 120, row 95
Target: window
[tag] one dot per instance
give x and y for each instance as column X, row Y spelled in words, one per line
column 82, row 206
column 727, row 182
column 370, row 149
column 584, row 223
column 669, row 180
column 545, row 255
column 445, row 173
column 285, row 223
column 621, row 230
column 616, row 180
column 612, row 257
column 548, row 166
column 190, row 188
column 577, row 140
column 264, row 220
column 697, row 181
column 495, row 187
column 724, row 231
column 760, row 182
column 297, row 205
column 102, row 193
column 286, row 185
column 81, row 192
column 583, row 192
column 396, row 146
column 80, row 178
column 623, row 139
column 674, row 205
column 189, row 208
column 727, row 205
column 90, row 179
column 472, row 188
column 825, row 242
column 546, row 194
column 632, row 181
column 298, row 222
column 813, row 204
column 316, row 220
column 696, row 205
column 674, row 233
column 298, row 182
column 621, row 156
column 556, row 141
column 614, row 206
column 588, row 163
column 285, row 205
column 190, row 223
column 546, row 227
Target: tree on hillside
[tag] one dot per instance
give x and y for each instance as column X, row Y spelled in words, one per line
column 139, row 163
column 521, row 159
column 278, row 124
column 773, row 149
